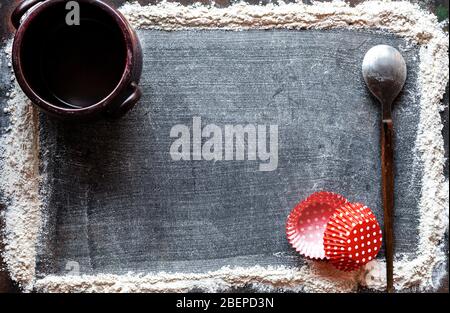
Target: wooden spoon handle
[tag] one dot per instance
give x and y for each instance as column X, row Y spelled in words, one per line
column 387, row 168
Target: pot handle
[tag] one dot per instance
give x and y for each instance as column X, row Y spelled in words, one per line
column 21, row 9
column 129, row 102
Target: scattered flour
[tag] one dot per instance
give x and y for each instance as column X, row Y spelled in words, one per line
column 20, row 185
column 20, row 181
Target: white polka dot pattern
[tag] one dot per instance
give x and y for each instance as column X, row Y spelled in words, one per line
column 352, row 237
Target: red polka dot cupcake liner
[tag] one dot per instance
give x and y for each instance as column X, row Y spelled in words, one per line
column 308, row 220
column 326, row 226
column 352, row 237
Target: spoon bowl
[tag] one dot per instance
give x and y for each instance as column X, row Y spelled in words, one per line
column 384, row 71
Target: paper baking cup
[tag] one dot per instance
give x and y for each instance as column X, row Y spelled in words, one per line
column 306, row 224
column 352, row 237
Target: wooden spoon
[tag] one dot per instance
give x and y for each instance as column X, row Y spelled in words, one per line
column 384, row 71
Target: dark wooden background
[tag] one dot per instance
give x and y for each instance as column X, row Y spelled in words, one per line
column 439, row 7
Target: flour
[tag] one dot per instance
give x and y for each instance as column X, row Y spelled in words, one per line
column 20, row 186
column 20, row 174
column 318, row 276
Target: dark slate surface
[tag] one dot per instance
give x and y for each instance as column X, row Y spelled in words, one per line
column 119, row 203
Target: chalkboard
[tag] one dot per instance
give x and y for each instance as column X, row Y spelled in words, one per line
column 119, row 202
